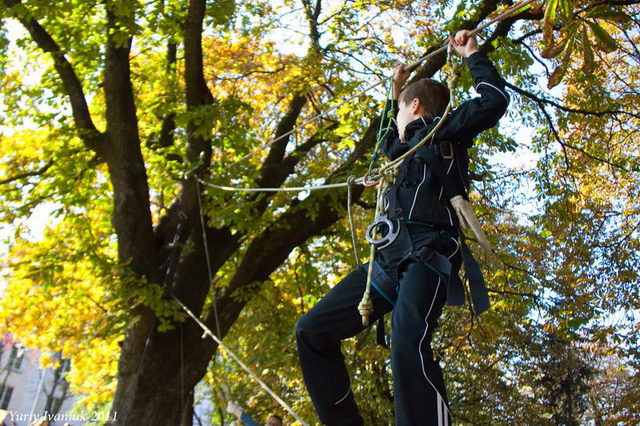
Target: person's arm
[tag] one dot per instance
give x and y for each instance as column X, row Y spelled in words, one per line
column 481, row 113
column 236, row 410
column 391, row 146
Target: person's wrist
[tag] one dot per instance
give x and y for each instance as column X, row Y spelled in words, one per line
column 471, row 52
column 396, row 90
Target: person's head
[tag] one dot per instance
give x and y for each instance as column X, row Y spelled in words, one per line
column 425, row 97
column 274, row 420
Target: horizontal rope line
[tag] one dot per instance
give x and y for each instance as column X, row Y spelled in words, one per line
column 289, row 189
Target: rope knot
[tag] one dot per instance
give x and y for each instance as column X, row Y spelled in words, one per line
column 365, row 307
column 351, row 181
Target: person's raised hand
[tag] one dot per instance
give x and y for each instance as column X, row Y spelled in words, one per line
column 465, row 44
column 400, row 77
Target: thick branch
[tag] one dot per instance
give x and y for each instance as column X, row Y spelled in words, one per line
column 72, row 86
column 131, row 215
column 198, row 94
column 313, row 12
column 267, row 251
column 165, row 138
column 299, row 223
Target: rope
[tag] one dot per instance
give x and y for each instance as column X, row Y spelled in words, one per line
column 410, row 67
column 206, row 253
column 215, row 338
column 206, row 329
column 290, row 189
column 367, row 180
column 351, row 183
column 365, row 307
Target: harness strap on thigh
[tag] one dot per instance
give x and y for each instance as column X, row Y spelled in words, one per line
column 381, row 282
column 440, row 264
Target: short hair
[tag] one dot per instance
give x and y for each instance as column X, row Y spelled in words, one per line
column 433, row 96
column 277, row 417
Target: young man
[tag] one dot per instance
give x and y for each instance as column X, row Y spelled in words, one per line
column 412, row 275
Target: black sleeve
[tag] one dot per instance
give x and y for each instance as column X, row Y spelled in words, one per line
column 391, row 146
column 481, row 113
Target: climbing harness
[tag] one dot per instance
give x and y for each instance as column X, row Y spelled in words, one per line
column 384, row 230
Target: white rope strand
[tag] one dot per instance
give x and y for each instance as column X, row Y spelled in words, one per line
column 358, row 181
column 215, row 338
column 292, row 189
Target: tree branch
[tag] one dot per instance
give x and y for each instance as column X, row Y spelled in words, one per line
column 565, row 144
column 37, row 172
column 556, row 135
column 197, row 95
column 270, row 170
column 541, row 100
column 92, row 138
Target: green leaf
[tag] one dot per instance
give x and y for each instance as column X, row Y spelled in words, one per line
column 603, row 39
column 611, row 15
column 589, row 63
column 566, row 6
column 221, row 11
column 550, row 11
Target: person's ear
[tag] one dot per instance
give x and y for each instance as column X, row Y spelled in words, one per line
column 415, row 106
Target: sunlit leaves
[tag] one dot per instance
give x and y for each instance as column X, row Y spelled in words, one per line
column 221, row 11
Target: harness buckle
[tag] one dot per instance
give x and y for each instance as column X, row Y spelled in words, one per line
column 446, row 156
column 379, row 225
column 368, row 182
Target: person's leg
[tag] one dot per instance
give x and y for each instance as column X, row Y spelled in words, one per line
column 419, row 392
column 319, row 333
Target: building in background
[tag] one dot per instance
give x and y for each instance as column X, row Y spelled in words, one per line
column 27, row 392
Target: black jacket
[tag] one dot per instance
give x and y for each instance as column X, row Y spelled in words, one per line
column 417, row 194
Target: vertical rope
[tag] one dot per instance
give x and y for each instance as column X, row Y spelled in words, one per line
column 208, row 261
column 365, row 307
column 352, row 228
column 217, row 339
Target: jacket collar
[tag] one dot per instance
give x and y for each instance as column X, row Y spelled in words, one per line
column 416, row 125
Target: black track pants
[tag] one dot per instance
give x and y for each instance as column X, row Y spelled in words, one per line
column 419, row 394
